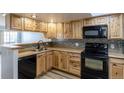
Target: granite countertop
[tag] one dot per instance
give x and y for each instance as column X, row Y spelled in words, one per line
column 30, row 52
column 66, row 49
column 10, row 46
column 116, row 55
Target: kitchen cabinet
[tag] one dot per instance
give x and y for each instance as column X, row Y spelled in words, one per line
column 41, row 26
column 15, row 22
column 96, row 21
column 68, row 34
column 49, row 60
column 51, row 31
column 59, row 31
column 116, row 26
column 56, row 58
column 41, row 62
column 66, row 61
column 74, row 64
column 44, row 26
column 38, row 26
column 63, row 62
column 116, row 68
column 77, row 29
column 29, row 24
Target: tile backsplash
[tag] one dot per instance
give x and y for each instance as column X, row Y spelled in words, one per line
column 115, row 46
column 70, row 43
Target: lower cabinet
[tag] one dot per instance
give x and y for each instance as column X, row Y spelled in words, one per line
column 116, row 70
column 49, row 60
column 63, row 62
column 56, row 58
column 41, row 60
column 66, row 61
column 74, row 64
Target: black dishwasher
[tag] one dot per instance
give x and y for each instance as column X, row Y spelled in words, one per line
column 27, row 67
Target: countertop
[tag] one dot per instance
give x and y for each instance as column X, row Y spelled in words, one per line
column 116, row 55
column 10, row 46
column 30, row 52
column 66, row 49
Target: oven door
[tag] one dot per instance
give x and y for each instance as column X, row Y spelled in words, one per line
column 95, row 67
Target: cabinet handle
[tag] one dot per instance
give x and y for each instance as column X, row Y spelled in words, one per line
column 116, row 73
column 114, row 64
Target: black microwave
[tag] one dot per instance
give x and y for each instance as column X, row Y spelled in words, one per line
column 97, row 31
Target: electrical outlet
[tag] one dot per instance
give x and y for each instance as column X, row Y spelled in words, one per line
column 76, row 44
column 112, row 46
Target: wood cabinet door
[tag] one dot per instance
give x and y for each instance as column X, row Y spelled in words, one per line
column 43, row 26
column 41, row 59
column 29, row 24
column 63, row 63
column 88, row 22
column 115, row 28
column 68, row 33
column 51, row 30
column 49, row 61
column 77, row 29
column 38, row 26
column 59, row 31
column 101, row 20
column 116, row 71
column 16, row 22
column 56, row 58
column 96, row 21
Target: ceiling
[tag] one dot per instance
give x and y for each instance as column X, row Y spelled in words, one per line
column 56, row 17
column 59, row 17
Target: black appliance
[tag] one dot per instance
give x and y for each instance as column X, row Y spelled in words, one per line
column 94, row 61
column 97, row 31
column 27, row 67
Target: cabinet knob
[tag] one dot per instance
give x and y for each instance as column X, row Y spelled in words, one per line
column 116, row 73
column 114, row 64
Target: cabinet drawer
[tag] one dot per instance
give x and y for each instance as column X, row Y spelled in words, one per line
column 74, row 64
column 116, row 60
column 75, row 55
column 74, row 71
column 117, row 71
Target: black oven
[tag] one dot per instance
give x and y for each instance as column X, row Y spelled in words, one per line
column 94, row 61
column 97, row 31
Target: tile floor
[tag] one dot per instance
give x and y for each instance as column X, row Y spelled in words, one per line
column 56, row 74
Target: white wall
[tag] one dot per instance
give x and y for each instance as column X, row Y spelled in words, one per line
column 2, row 20
column 2, row 26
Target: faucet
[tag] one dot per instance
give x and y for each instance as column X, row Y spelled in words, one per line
column 38, row 45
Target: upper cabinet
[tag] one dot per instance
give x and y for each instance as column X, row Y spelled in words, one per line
column 41, row 26
column 51, row 33
column 44, row 26
column 77, row 29
column 96, row 21
column 16, row 22
column 29, row 24
column 116, row 26
column 59, row 31
column 68, row 34
column 13, row 22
